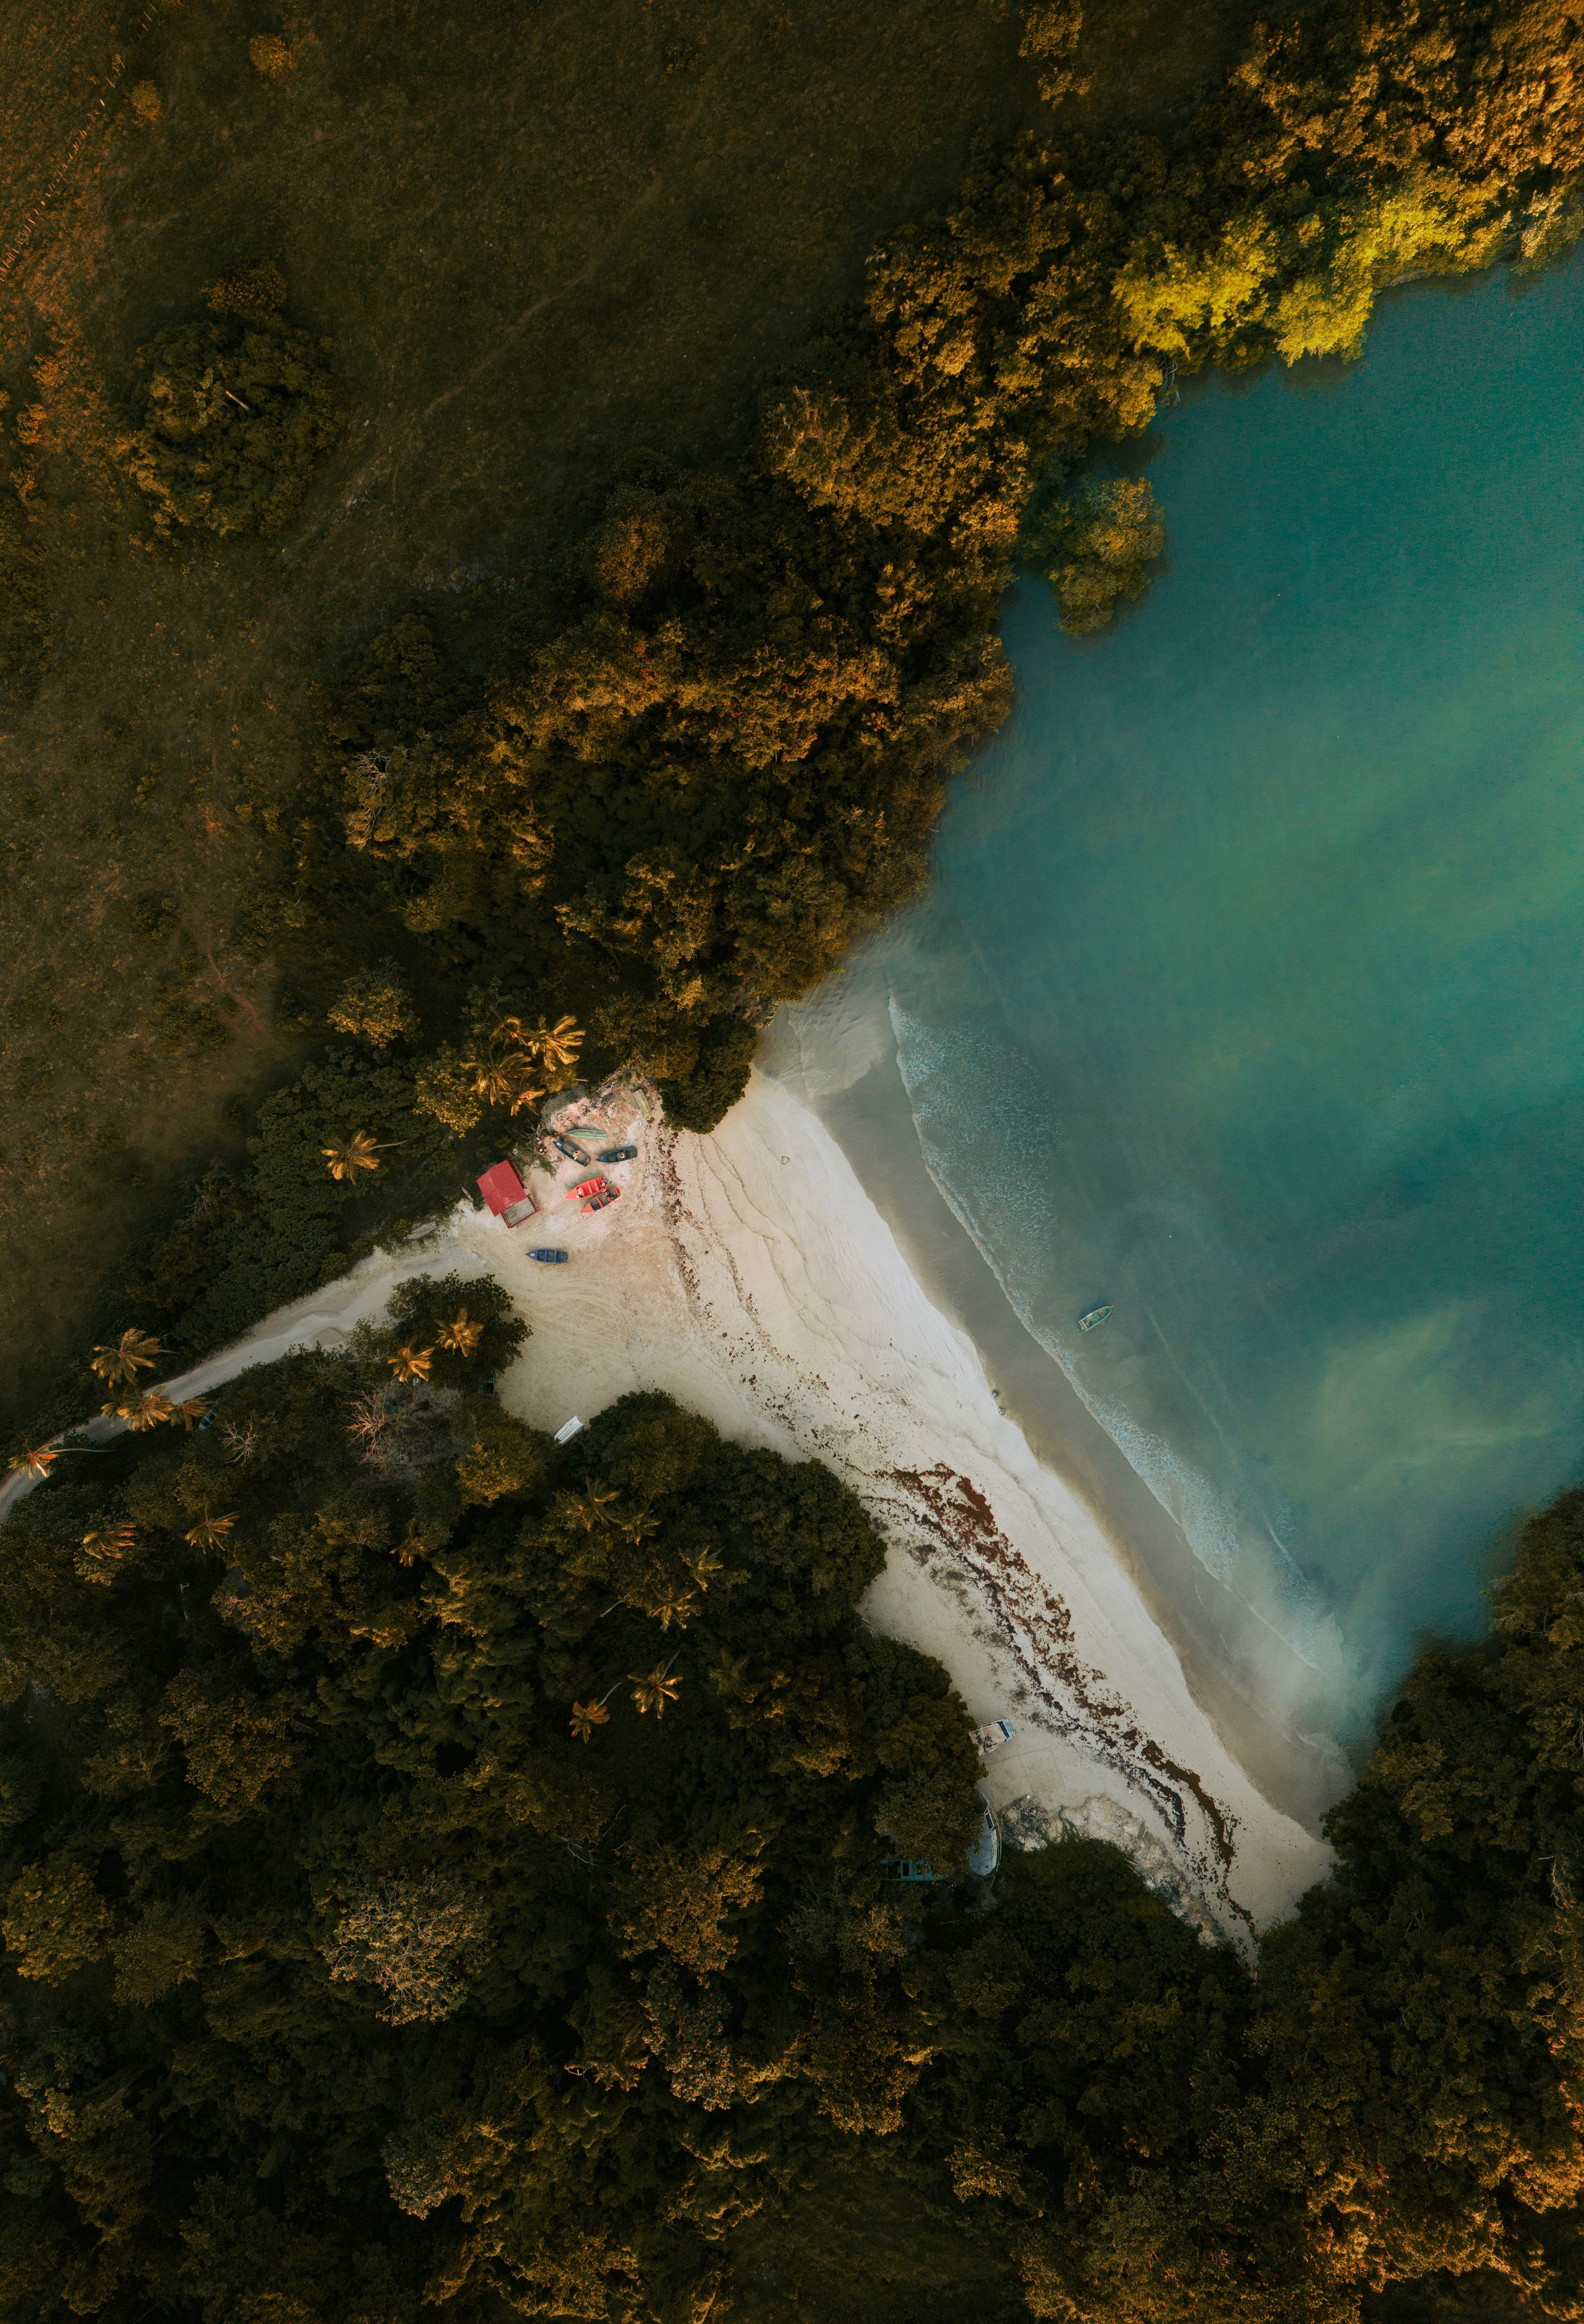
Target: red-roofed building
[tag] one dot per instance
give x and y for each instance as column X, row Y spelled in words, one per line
column 506, row 1194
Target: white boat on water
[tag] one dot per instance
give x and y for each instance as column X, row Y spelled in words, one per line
column 1096, row 1316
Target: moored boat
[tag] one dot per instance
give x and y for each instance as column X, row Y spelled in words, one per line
column 1096, row 1316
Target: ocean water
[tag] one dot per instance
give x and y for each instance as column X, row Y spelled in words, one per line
column 1249, row 997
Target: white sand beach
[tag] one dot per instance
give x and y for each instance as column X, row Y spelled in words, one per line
column 750, row 1275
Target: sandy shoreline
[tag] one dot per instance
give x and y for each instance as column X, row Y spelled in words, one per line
column 750, row 1275
column 838, row 1054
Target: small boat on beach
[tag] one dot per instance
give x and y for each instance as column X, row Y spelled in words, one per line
column 548, row 1257
column 618, row 1154
column 603, row 1199
column 572, row 1153
column 1095, row 1317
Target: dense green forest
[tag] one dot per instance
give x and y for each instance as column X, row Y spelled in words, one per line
column 703, row 746
column 444, row 1870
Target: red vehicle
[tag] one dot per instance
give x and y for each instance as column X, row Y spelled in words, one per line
column 589, row 1186
column 506, row 1194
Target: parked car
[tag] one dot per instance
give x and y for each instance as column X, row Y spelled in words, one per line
column 993, row 1734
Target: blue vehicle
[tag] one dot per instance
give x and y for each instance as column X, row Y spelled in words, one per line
column 548, row 1257
column 619, row 1153
column 573, row 1153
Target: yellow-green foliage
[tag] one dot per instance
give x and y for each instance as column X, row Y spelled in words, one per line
column 375, row 1007
column 1353, row 250
column 1312, row 284
column 237, row 411
column 503, row 1455
column 55, row 1921
column 146, row 103
column 445, row 1087
column 1050, row 32
column 1551, row 225
column 1100, row 544
column 1176, row 299
column 251, row 291
column 271, row 58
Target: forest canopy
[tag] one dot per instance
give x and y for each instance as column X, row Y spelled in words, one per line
column 393, row 1797
column 236, row 412
column 443, row 1869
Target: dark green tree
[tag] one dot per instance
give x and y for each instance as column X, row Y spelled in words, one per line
column 237, row 413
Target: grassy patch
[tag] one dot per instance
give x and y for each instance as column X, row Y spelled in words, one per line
column 535, row 241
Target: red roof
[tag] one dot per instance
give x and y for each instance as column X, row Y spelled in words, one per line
column 501, row 1186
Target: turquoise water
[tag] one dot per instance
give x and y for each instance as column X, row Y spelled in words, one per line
column 1249, row 994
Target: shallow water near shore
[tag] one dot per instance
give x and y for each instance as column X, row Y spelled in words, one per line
column 1248, row 995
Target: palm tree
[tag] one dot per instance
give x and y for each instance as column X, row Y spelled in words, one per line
column 585, row 1717
column 119, row 1366
column 528, row 1094
column 730, row 1674
column 556, row 1044
column 145, row 1411
column 637, row 1527
column 38, row 1462
column 590, row 1511
column 654, row 1691
column 461, row 1337
column 359, row 1153
column 411, row 1364
column 152, row 1406
column 675, row 1605
column 504, row 1075
column 700, row 1563
column 495, row 1077
column 107, row 1547
column 210, row 1532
